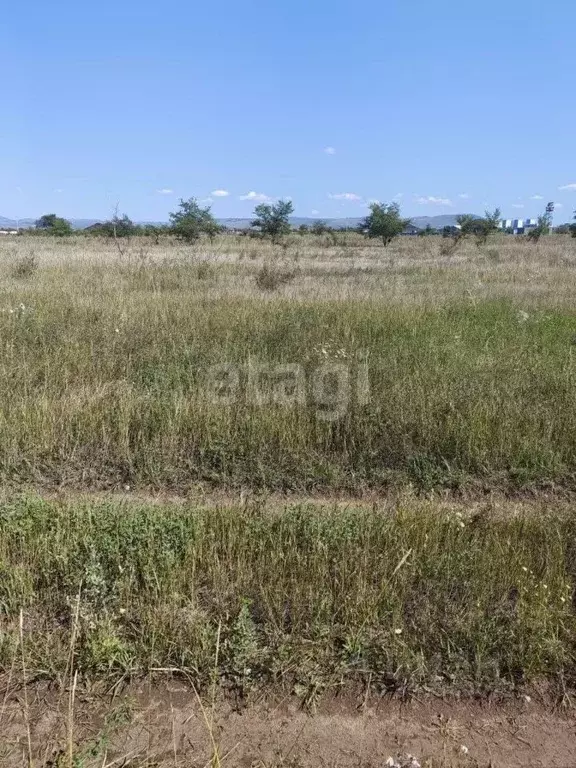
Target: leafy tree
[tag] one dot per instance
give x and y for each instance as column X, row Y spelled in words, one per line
column 303, row 229
column 191, row 221
column 479, row 228
column 319, row 227
column 117, row 226
column 544, row 225
column 54, row 225
column 212, row 228
column 573, row 227
column 384, row 222
column 273, row 221
column 46, row 221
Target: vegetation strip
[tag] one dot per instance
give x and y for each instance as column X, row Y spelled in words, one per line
column 308, row 597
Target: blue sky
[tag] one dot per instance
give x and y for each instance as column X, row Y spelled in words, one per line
column 447, row 106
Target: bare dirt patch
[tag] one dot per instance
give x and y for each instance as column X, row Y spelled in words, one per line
column 165, row 725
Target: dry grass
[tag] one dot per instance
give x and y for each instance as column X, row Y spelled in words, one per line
column 106, row 364
column 470, row 364
column 410, row 271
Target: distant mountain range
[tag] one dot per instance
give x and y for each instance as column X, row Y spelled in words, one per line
column 437, row 222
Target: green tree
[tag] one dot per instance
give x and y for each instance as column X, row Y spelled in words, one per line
column 480, row 228
column 573, row 227
column 384, row 222
column 319, row 227
column 54, row 225
column 117, row 226
column 191, row 221
column 544, row 225
column 273, row 221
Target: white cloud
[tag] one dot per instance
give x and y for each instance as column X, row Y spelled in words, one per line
column 431, row 200
column 352, row 196
column 257, row 197
column 329, row 151
column 536, row 197
column 58, row 190
column 206, row 200
column 464, row 196
column 165, row 191
column 314, row 212
column 558, row 205
column 398, row 196
column 568, row 188
column 517, row 205
column 220, row 193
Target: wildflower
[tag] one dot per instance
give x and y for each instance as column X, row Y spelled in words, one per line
column 398, row 631
column 523, row 316
column 464, row 749
column 525, row 569
column 116, row 330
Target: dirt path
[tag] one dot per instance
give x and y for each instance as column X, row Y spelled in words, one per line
column 164, row 725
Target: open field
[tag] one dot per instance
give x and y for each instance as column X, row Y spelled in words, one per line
column 412, row 368
column 321, row 470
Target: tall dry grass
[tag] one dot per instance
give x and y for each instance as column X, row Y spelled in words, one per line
column 470, row 361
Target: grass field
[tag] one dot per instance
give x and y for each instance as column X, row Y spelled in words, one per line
column 311, row 468
column 465, row 366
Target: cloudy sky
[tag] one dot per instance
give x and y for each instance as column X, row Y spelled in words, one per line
column 446, row 107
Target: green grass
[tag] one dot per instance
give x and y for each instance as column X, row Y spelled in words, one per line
column 102, row 387
column 302, row 596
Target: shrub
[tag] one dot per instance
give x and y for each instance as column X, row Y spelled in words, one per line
column 270, row 278
column 25, row 266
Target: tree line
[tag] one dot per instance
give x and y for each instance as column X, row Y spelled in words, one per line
column 190, row 221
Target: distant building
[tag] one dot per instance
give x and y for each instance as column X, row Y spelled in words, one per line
column 8, row 231
column 412, row 229
column 518, row 226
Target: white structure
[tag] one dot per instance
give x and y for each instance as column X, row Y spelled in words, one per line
column 518, row 226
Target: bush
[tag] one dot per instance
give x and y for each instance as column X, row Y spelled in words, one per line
column 270, row 278
column 25, row 266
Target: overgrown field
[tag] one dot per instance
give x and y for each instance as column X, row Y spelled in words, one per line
column 305, row 597
column 406, row 367
column 319, row 367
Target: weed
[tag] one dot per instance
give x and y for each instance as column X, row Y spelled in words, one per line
column 270, row 278
column 25, row 266
column 309, row 595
